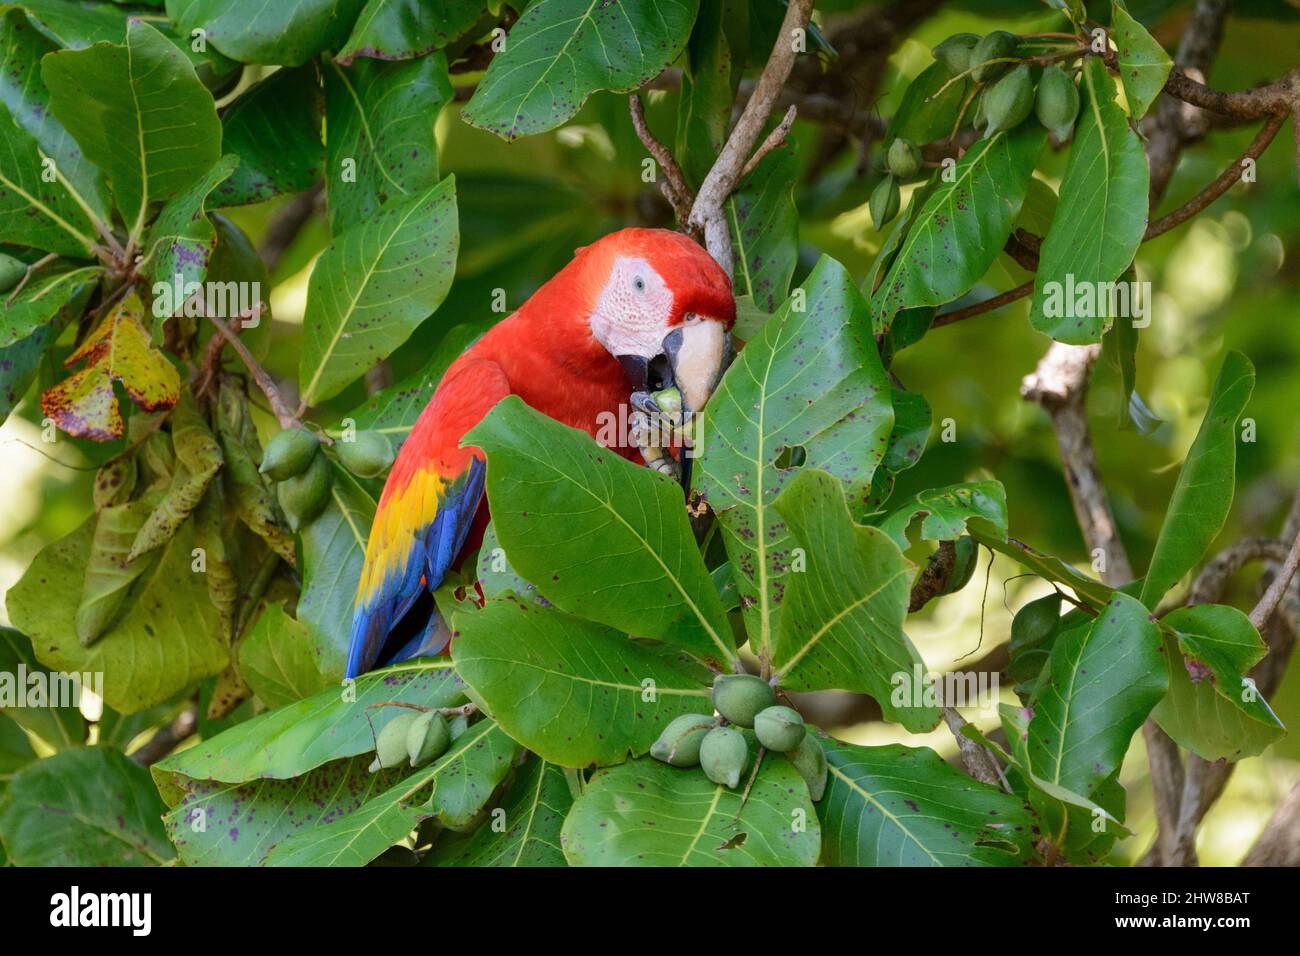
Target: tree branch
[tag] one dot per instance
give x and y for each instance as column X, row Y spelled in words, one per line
column 673, row 185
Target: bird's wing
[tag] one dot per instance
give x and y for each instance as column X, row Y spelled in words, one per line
column 427, row 507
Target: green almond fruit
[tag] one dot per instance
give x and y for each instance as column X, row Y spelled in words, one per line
column 739, row 697
column 1009, row 101
column 779, row 728
column 1057, row 102
column 978, row 117
column 810, row 760
column 368, row 455
column 723, row 755
column 998, row 45
column 963, row 569
column 427, row 738
column 457, row 726
column 289, row 453
column 903, row 158
column 954, row 52
column 303, row 497
column 390, row 742
column 679, row 744
column 1035, row 623
column 884, row 203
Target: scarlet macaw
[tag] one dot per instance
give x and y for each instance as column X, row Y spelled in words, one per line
column 639, row 309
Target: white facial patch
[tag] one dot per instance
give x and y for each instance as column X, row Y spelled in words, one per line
column 631, row 315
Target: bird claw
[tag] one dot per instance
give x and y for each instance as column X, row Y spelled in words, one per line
column 655, row 428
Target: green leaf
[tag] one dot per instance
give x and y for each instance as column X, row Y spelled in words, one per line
column 223, row 824
column 19, row 362
column 945, row 511
column 275, row 130
column 1101, row 682
column 49, row 299
column 924, row 114
column 85, row 807
column 140, row 114
column 1212, row 707
column 247, row 490
column 277, row 659
column 600, row 537
column 254, row 31
column 1203, row 495
column 1099, row 221
column 1046, row 566
column 961, row 229
column 811, row 379
column 765, row 229
column 24, row 95
column 58, row 727
column 709, row 77
column 842, row 626
column 462, row 782
column 535, row 807
column 182, row 238
column 110, row 569
column 381, row 148
column 16, row 750
column 373, row 286
column 34, row 212
column 576, row 693
column 167, row 639
column 904, row 806
column 562, row 51
column 333, row 551
column 402, row 29
column 497, row 576
column 646, row 813
column 1143, row 63
column 298, row 737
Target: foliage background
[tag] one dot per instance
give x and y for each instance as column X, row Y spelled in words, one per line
column 1228, row 280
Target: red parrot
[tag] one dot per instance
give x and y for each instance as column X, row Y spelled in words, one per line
column 638, row 310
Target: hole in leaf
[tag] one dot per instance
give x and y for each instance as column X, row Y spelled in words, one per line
column 792, row 456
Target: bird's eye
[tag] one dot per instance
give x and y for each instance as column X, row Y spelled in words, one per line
column 638, row 283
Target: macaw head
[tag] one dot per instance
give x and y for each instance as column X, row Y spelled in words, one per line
column 663, row 307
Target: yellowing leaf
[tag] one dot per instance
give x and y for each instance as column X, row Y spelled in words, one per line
column 118, row 351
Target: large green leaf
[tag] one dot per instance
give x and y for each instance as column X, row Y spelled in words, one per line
column 140, row 114
column 454, row 789
column 333, row 552
column 1203, row 495
column 380, row 118
column 842, row 626
column 23, row 93
column 402, row 29
column 961, row 229
column 255, row 31
column 330, row 725
column 600, row 537
column 34, row 212
column 533, row 811
column 1101, row 682
column 904, row 806
column 1212, row 708
column 1143, row 63
column 646, row 813
column 167, row 638
column 275, row 130
column 944, row 512
column 58, row 727
column 710, row 72
column 925, row 114
column 765, row 229
column 574, row 692
column 373, row 285
column 562, row 51
column 810, row 380
column 85, row 807
column 1099, row 220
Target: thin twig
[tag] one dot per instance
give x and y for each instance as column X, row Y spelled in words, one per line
column 673, row 185
column 30, row 271
column 773, row 140
column 264, row 381
column 1273, row 596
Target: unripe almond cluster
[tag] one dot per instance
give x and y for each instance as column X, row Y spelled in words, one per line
column 294, row 460
column 721, row 749
column 412, row 735
column 1011, row 90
